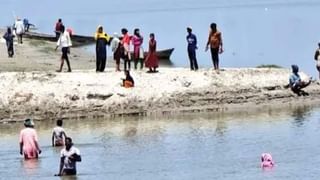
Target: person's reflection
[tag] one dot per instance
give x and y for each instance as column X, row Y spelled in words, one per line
column 221, row 127
column 30, row 166
column 300, row 115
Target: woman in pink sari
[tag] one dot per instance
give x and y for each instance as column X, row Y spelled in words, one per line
column 138, row 53
column 29, row 146
column 152, row 61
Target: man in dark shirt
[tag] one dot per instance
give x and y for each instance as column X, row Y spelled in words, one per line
column 192, row 47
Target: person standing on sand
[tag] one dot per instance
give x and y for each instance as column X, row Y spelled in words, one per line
column 102, row 40
column 8, row 36
column 152, row 61
column 58, row 134
column 57, row 30
column 116, row 49
column 192, row 47
column 215, row 44
column 19, row 27
column 126, row 52
column 69, row 156
column 29, row 146
column 138, row 53
column 317, row 58
column 65, row 43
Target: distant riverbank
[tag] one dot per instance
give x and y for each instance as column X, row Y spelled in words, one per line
column 48, row 95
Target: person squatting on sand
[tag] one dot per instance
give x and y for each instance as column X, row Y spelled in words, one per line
column 8, row 36
column 192, row 47
column 215, row 43
column 295, row 82
column 128, row 82
column 65, row 43
column 102, row 40
column 69, row 156
column 138, row 54
column 116, row 49
column 19, row 28
column 28, row 139
column 126, row 49
column 58, row 134
column 317, row 58
column 152, row 61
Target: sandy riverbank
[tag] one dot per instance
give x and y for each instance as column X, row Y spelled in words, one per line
column 46, row 95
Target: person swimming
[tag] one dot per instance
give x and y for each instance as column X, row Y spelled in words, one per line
column 266, row 160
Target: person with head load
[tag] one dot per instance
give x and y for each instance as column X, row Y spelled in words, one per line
column 215, row 44
column 138, row 54
column 70, row 155
column 116, row 49
column 8, row 36
column 65, row 43
column 152, row 61
column 58, row 134
column 102, row 40
column 317, row 58
column 125, row 41
column 29, row 146
column 19, row 27
column 295, row 82
column 192, row 47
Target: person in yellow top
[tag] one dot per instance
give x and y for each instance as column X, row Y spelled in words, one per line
column 102, row 40
column 215, row 44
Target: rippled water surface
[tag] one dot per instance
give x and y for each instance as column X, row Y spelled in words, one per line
column 193, row 146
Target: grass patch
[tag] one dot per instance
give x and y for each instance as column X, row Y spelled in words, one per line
column 47, row 49
column 269, row 66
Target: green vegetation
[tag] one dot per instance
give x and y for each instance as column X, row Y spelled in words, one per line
column 269, row 66
column 38, row 43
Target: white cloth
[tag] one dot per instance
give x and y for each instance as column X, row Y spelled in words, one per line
column 58, row 133
column 115, row 44
column 19, row 27
column 64, row 40
column 68, row 164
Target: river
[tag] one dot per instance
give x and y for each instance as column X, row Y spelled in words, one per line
column 190, row 146
column 255, row 32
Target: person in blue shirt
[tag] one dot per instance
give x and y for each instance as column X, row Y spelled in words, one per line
column 192, row 47
column 295, row 82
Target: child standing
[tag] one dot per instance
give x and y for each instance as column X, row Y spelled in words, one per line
column 58, row 134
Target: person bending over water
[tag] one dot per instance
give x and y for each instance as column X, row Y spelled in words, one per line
column 58, row 134
column 295, row 82
column 29, row 146
column 69, row 156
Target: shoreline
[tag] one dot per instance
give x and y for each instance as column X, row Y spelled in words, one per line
column 87, row 94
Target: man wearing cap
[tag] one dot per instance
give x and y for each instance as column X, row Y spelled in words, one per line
column 29, row 146
column 192, row 47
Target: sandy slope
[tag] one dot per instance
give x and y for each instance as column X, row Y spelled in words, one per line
column 44, row 95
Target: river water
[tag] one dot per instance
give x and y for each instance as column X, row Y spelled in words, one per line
column 255, row 32
column 191, row 146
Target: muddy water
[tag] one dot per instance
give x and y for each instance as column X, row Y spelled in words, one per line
column 196, row 146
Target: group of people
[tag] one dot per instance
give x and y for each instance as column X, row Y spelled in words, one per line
column 121, row 48
column 30, row 149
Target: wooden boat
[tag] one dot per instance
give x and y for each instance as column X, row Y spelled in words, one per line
column 161, row 54
column 77, row 40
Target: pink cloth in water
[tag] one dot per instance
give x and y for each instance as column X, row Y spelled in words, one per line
column 266, row 160
column 29, row 137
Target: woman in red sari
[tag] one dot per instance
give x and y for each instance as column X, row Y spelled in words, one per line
column 152, row 61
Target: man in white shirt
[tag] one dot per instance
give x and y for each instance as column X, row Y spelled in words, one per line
column 69, row 156
column 58, row 134
column 65, row 43
column 19, row 27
